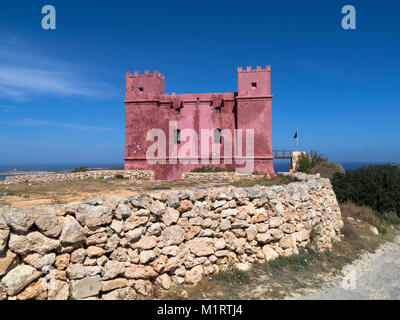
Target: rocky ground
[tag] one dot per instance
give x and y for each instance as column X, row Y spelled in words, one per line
column 373, row 276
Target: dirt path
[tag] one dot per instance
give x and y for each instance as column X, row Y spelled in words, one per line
column 373, row 276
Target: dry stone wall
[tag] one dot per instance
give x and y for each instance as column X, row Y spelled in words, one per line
column 74, row 176
column 124, row 248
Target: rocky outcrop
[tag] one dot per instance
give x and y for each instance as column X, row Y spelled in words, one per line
column 123, row 248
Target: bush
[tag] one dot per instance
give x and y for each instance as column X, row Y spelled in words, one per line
column 81, row 169
column 306, row 162
column 350, row 209
column 375, row 186
column 212, row 169
column 327, row 169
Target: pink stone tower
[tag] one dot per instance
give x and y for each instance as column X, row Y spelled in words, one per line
column 148, row 107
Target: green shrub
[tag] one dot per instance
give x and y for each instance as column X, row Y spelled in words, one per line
column 306, row 162
column 327, row 169
column 119, row 176
column 81, row 169
column 375, row 186
column 209, row 168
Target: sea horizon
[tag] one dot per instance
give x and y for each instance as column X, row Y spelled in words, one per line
column 279, row 166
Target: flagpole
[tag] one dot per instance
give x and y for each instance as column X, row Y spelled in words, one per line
column 297, row 139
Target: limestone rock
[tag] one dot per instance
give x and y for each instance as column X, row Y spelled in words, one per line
column 117, row 226
column 97, row 238
column 275, row 222
column 145, row 243
column 122, row 211
column 57, row 290
column 135, row 234
column 173, row 235
column 143, row 287
column 8, row 260
column 93, row 251
column 113, row 269
column 62, row 261
column 72, row 231
column 32, row 242
column 38, row 261
column 146, row 256
column 75, row 271
column 134, row 221
column 96, row 215
column 269, row 253
column 139, row 272
column 4, row 234
column 185, row 205
column 374, row 230
column 263, row 237
column 91, row 271
column 78, row 256
column 164, row 281
column 251, row 232
column 170, row 216
column 201, row 246
column 34, row 291
column 120, row 294
column 49, row 225
column 19, row 220
column 170, row 250
column 194, row 275
column 18, row 278
column 86, row 287
column 114, row 284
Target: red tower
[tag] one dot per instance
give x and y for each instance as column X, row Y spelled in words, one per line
column 148, row 107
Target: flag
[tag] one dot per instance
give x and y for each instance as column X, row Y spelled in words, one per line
column 295, row 135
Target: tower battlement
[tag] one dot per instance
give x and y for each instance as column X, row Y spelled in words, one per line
column 146, row 74
column 143, row 86
column 258, row 68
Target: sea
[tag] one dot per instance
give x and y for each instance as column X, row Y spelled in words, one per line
column 279, row 166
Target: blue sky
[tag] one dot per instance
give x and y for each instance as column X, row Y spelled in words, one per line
column 62, row 91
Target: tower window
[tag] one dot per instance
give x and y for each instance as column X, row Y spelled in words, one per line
column 254, row 84
column 141, row 89
column 217, row 136
column 218, row 110
column 177, row 137
column 178, row 111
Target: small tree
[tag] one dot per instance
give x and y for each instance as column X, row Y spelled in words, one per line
column 306, row 162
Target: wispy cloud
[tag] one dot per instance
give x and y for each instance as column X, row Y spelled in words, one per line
column 23, row 75
column 48, row 123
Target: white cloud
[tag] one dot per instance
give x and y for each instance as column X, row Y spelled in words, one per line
column 48, row 123
column 25, row 73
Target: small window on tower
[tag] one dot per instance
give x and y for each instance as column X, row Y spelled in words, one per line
column 141, row 89
column 178, row 111
column 177, row 136
column 218, row 110
column 217, row 136
column 254, row 84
